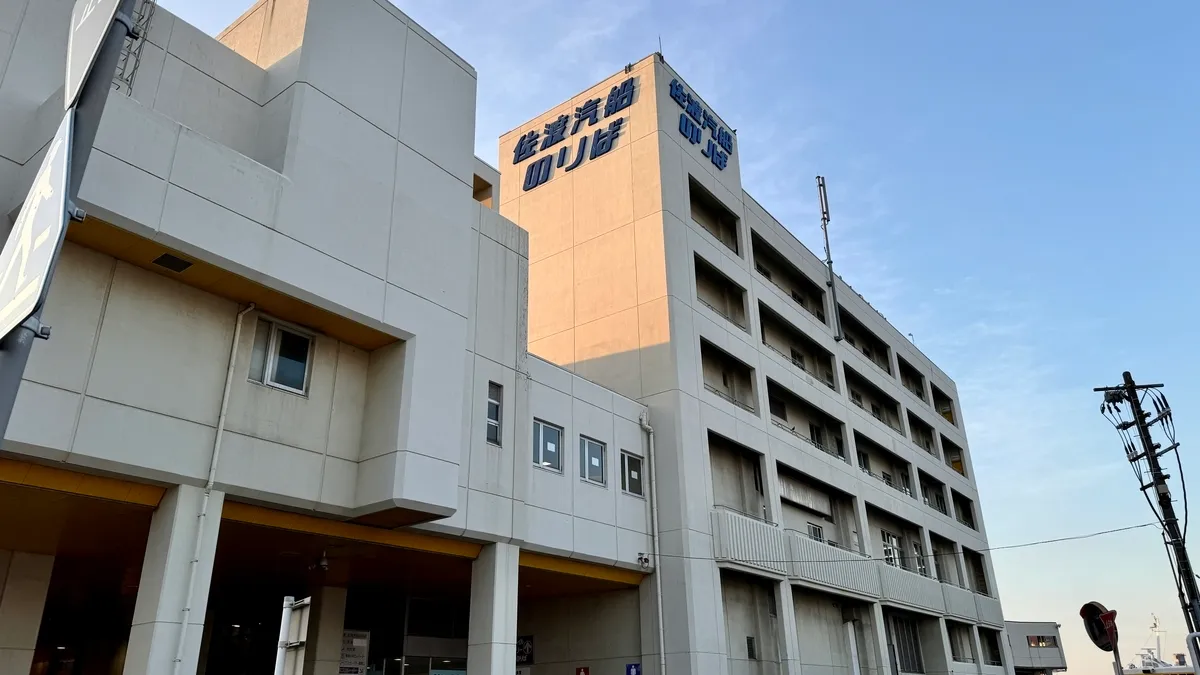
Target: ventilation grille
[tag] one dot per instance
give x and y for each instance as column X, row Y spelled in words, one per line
column 173, row 263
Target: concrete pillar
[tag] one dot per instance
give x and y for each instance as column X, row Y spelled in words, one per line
column 492, row 633
column 864, row 527
column 930, row 558
column 326, row 620
column 162, row 591
column 24, row 580
column 648, row 614
column 789, row 639
column 961, row 561
column 880, row 656
column 978, row 647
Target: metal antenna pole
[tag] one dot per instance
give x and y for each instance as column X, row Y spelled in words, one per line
column 837, row 316
column 1130, row 392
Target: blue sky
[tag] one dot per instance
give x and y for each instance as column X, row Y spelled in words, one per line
column 1014, row 183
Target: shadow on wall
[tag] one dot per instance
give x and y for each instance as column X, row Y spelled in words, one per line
column 635, row 373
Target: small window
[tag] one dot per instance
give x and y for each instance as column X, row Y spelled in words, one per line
column 1043, row 641
column 856, row 397
column 494, row 403
column 891, row 548
column 281, row 357
column 816, row 532
column 751, row 648
column 772, row 609
column 919, row 555
column 763, row 271
column 864, row 461
column 798, row 358
column 631, row 474
column 778, row 409
column 876, row 410
column 591, row 460
column 547, row 444
column 816, row 434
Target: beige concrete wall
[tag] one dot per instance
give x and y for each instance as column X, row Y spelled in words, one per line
column 601, row 632
column 597, row 270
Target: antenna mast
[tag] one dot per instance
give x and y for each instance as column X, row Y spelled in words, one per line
column 837, row 317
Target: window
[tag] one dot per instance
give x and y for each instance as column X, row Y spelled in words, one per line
column 990, row 641
column 887, row 479
column 876, row 410
column 864, row 461
column 778, row 409
column 919, row 556
column 631, row 474
column 799, row 299
column 763, row 271
column 857, row 398
column 798, row 358
column 751, row 648
column 962, row 648
column 547, row 440
column 591, row 461
column 906, row 642
column 891, row 548
column 281, row 357
column 816, row 434
column 495, row 398
column 816, row 532
column 1043, row 641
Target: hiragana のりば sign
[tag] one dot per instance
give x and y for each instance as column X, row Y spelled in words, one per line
column 555, row 132
column 695, row 119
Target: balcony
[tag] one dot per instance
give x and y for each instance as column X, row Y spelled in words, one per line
column 888, row 481
column 867, row 343
column 964, row 510
column 960, row 602
column 988, row 610
column 717, row 292
column 912, row 379
column 797, row 416
column 829, row 451
column 954, row 457
column 794, row 346
column 821, row 563
column 933, row 492
column 922, row 434
column 727, row 377
column 794, row 284
column 709, row 213
column 943, row 404
column 900, row 586
column 753, row 543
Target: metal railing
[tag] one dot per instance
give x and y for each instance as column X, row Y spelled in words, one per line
column 962, row 659
column 936, row 505
column 916, row 392
column 927, row 445
column 888, row 482
column 817, row 314
column 820, row 446
column 744, row 406
column 724, row 313
column 992, row 662
column 964, row 521
column 827, row 381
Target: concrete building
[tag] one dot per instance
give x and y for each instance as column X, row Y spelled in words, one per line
column 1036, row 647
column 292, row 357
column 818, row 508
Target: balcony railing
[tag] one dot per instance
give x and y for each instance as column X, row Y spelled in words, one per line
column 819, row 314
column 820, row 446
column 916, row 391
column 969, row 522
column 878, row 416
column 828, row 381
column 724, row 313
column 927, row 445
column 936, row 505
column 992, row 661
column 962, row 659
column 888, row 482
column 744, row 406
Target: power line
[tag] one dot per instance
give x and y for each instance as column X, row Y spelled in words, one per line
column 1009, row 547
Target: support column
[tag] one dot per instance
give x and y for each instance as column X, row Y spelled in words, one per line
column 864, row 527
column 930, row 559
column 326, row 620
column 961, row 561
column 881, row 658
column 492, row 633
column 789, row 637
column 24, row 580
column 163, row 589
column 978, row 647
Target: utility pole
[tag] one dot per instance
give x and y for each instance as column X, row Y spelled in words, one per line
column 837, row 316
column 1152, row 476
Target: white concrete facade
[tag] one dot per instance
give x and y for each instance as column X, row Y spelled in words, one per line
column 1036, row 647
column 654, row 272
column 352, row 212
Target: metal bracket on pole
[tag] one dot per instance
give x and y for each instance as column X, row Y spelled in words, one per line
column 127, row 21
column 75, row 212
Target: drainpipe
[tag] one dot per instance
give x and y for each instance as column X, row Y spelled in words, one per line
column 644, row 420
column 202, row 517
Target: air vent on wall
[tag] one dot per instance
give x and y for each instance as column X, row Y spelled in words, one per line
column 172, row 262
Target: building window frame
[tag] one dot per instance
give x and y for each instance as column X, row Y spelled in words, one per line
column 892, row 549
column 494, row 434
column 593, row 453
column 816, row 532
column 633, row 474
column 265, row 353
column 539, row 446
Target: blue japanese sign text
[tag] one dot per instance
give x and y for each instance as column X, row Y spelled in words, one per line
column 694, row 120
